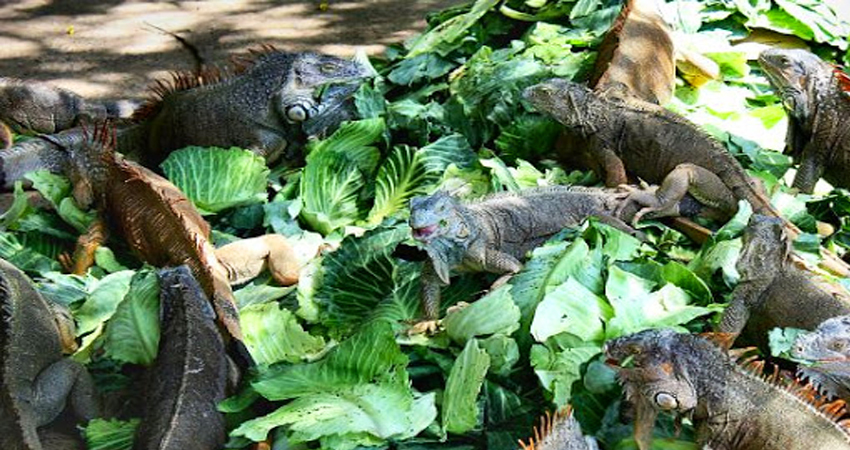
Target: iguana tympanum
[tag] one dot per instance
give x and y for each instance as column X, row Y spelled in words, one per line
column 776, row 288
column 494, row 233
column 827, row 349
column 190, row 373
column 816, row 96
column 36, row 381
column 163, row 227
column 731, row 407
column 30, row 106
column 269, row 104
column 559, row 431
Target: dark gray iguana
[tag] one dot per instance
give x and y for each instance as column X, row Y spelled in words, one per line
column 190, row 373
column 776, row 288
column 827, row 349
column 816, row 95
column 270, row 105
column 37, row 381
column 559, row 431
column 731, row 407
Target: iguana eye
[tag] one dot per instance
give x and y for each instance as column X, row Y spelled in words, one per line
column 666, row 401
column 789, row 102
column 297, row 113
column 327, row 68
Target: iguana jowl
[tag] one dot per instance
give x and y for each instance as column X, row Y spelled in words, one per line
column 816, row 96
column 163, row 227
column 731, row 407
column 37, row 380
column 270, row 105
column 827, row 349
column 776, row 289
column 190, row 373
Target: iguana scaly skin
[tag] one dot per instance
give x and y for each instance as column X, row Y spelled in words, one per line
column 30, row 106
column 815, row 95
column 731, row 407
column 559, row 431
column 494, row 233
column 652, row 143
column 37, row 380
column 776, row 289
column 163, row 227
column 828, row 350
column 190, row 373
column 270, row 105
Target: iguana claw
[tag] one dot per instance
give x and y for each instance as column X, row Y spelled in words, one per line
column 429, row 327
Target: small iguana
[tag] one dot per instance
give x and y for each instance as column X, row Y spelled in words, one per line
column 816, row 96
column 163, row 227
column 36, row 380
column 269, row 104
column 30, row 106
column 731, row 407
column 827, row 348
column 492, row 234
column 559, row 431
column 190, row 373
column 776, row 289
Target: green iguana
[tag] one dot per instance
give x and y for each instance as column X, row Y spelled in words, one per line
column 559, row 431
column 269, row 104
column 163, row 227
column 776, row 288
column 827, row 349
column 30, row 106
column 731, row 407
column 816, row 96
column 190, row 373
column 494, row 233
column 37, row 381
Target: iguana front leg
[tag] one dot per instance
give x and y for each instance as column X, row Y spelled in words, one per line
column 431, row 285
column 247, row 258
column 810, row 170
column 615, row 170
column 64, row 380
column 688, row 178
column 497, row 261
column 87, row 244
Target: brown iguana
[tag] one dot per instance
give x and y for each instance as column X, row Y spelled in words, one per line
column 776, row 288
column 190, row 373
column 827, row 349
column 559, row 431
column 268, row 104
column 730, row 406
column 37, row 381
column 492, row 234
column 30, row 106
column 816, row 96
column 163, row 227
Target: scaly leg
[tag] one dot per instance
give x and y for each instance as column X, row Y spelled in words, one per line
column 87, row 244
column 431, row 285
column 808, row 174
column 687, row 178
column 62, row 381
column 246, row 259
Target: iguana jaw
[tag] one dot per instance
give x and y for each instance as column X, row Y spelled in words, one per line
column 422, row 234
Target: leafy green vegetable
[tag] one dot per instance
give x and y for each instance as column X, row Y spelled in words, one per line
column 132, row 335
column 111, row 434
column 273, row 335
column 494, row 313
column 460, row 412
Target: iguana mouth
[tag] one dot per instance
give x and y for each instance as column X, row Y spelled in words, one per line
column 423, row 232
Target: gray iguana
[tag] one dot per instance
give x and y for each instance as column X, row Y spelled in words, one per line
column 269, row 104
column 190, row 373
column 559, row 431
column 776, row 288
column 816, row 96
column 827, row 350
column 731, row 406
column 37, row 381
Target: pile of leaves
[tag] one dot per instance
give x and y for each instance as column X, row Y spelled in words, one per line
column 334, row 364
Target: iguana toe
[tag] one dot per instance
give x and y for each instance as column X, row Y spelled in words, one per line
column 428, row 327
column 458, row 307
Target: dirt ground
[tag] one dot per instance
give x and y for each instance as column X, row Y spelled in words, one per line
column 115, row 48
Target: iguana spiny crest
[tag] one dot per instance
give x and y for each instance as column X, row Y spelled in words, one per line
column 828, row 348
column 559, row 431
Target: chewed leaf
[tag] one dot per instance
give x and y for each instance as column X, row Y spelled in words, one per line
column 215, row 178
column 132, row 335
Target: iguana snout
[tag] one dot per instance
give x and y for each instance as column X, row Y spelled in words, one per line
column 788, row 70
column 563, row 99
column 435, row 216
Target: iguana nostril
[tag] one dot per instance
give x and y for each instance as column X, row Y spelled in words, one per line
column 666, row 401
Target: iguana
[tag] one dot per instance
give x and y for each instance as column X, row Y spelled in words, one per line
column 268, row 104
column 559, row 431
column 827, row 349
column 816, row 96
column 163, row 227
column 730, row 406
column 492, row 234
column 776, row 288
column 37, row 381
column 190, row 373
column 30, row 106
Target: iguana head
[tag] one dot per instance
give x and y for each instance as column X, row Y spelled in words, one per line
column 439, row 222
column 791, row 72
column 765, row 248
column 559, row 431
column 828, row 348
column 569, row 103
column 90, row 163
